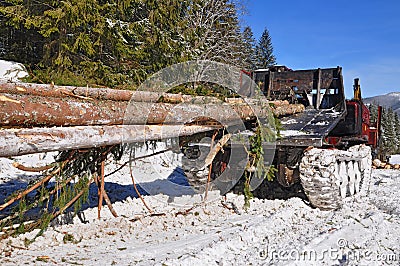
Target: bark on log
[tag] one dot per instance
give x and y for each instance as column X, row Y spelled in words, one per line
column 279, row 103
column 28, row 111
column 288, row 109
column 47, row 90
column 15, row 142
column 27, row 105
column 88, row 93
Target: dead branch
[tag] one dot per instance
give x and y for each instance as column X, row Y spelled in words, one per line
column 101, row 189
column 185, row 212
column 32, row 169
column 35, row 186
column 213, row 152
column 137, row 190
column 106, row 199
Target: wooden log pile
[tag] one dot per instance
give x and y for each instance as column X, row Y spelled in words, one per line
column 41, row 118
column 35, row 117
column 378, row 164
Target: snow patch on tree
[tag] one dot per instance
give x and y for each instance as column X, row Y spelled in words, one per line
column 12, row 70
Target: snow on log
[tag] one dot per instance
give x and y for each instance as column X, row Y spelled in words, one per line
column 15, row 142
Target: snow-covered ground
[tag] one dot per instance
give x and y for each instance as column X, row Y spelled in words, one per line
column 271, row 232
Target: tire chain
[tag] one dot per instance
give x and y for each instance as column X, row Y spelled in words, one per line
column 321, row 181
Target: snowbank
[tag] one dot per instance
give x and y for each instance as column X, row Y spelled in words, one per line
column 12, row 70
column 395, row 159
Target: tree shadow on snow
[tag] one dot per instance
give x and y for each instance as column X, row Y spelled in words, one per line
column 175, row 185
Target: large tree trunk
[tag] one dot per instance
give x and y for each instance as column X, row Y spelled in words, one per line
column 47, row 90
column 14, row 142
column 288, row 109
column 27, row 111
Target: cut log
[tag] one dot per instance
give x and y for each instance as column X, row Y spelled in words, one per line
column 376, row 163
column 279, row 103
column 46, row 90
column 31, row 111
column 15, row 142
column 30, row 105
column 28, row 111
column 288, row 109
column 88, row 93
column 103, row 101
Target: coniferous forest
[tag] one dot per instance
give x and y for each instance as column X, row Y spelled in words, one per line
column 390, row 129
column 121, row 43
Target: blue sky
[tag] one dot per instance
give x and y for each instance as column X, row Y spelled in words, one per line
column 361, row 36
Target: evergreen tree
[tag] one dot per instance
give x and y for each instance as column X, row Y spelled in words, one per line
column 373, row 110
column 397, row 132
column 390, row 133
column 80, row 39
column 164, row 37
column 265, row 51
column 113, row 43
column 249, row 48
column 384, row 141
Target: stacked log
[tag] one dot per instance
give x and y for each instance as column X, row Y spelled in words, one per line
column 49, row 90
column 15, row 142
column 34, row 116
column 27, row 105
column 27, row 110
column 378, row 164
